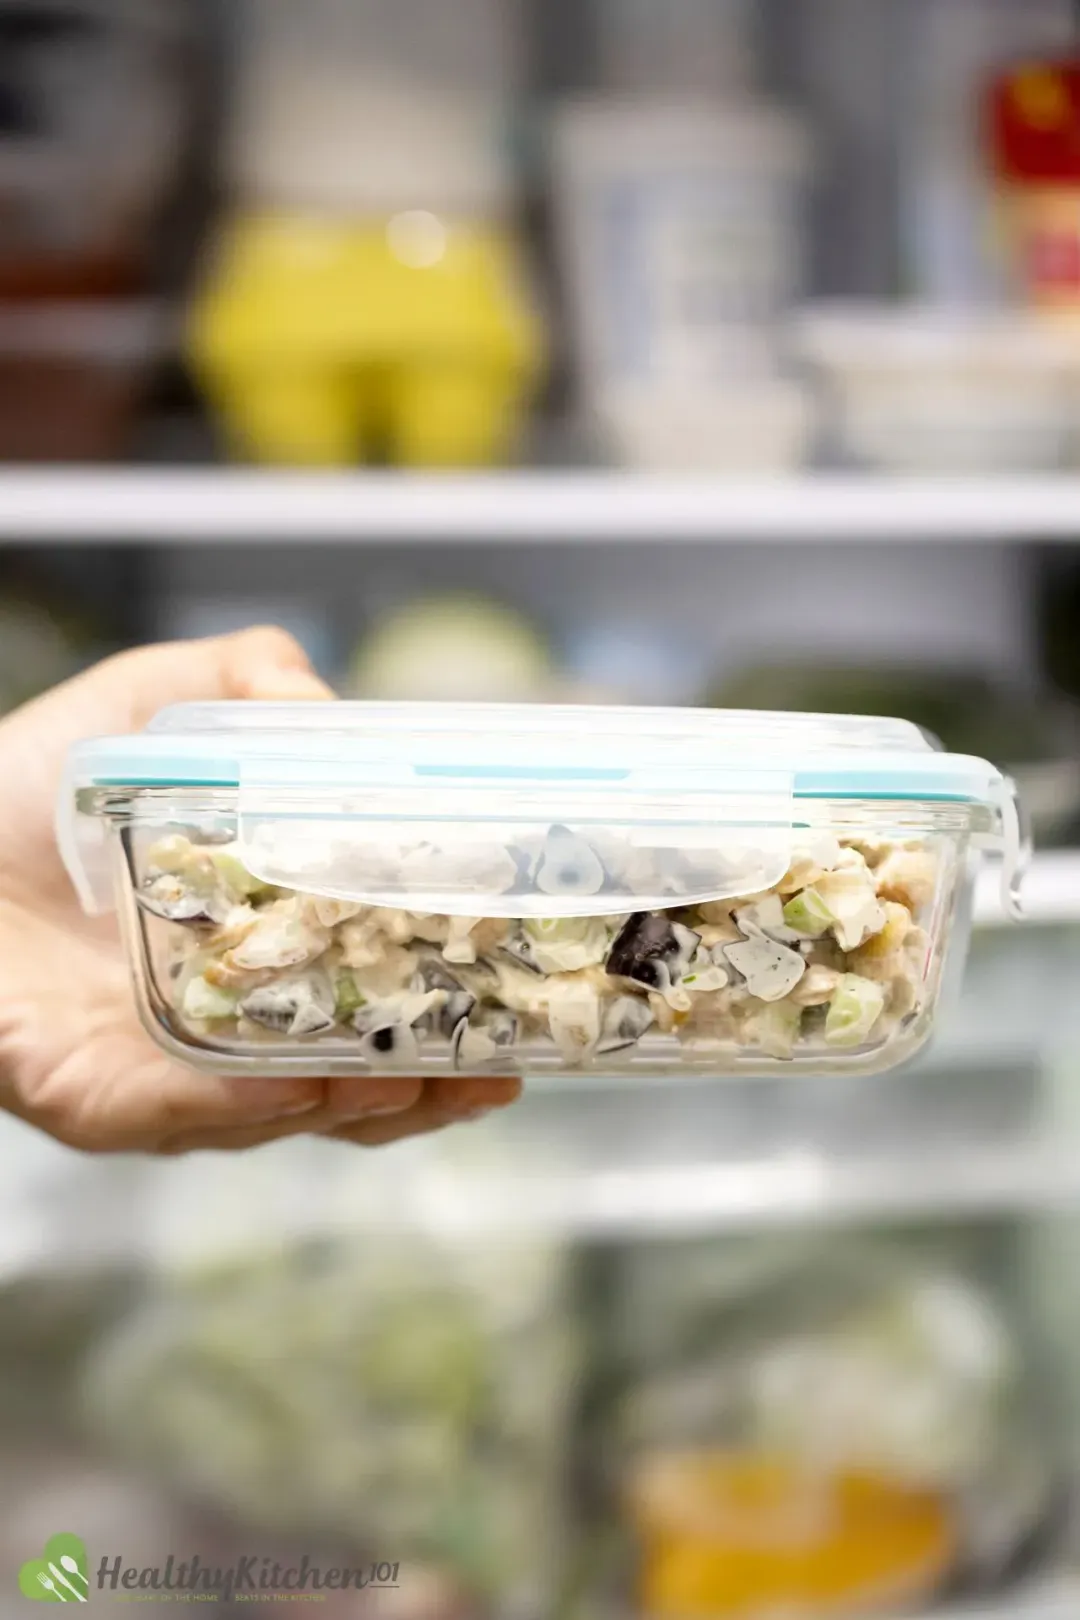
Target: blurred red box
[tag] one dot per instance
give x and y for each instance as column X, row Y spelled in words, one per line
column 1034, row 139
column 73, row 377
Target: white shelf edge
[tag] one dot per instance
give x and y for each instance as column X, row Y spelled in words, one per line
column 1051, row 892
column 207, row 505
column 805, row 1189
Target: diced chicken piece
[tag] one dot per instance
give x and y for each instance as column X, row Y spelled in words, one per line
column 389, row 976
column 432, row 930
column 666, row 1018
column 325, row 913
column 893, row 936
column 816, row 988
column 719, row 914
column 902, row 998
column 823, row 855
column 714, row 1017
column 362, row 942
column 489, row 934
column 399, row 927
column 895, row 953
column 909, row 878
column 462, row 942
column 714, row 934
column 280, row 939
column 849, row 896
column 574, row 1012
column 872, row 850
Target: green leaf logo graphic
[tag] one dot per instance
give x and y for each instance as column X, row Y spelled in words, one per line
column 60, row 1575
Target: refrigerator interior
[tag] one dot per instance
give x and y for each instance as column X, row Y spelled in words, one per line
column 829, row 1328
column 678, row 1352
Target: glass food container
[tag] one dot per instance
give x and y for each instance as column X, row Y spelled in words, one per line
column 347, row 888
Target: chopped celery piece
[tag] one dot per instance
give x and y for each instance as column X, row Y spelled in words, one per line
column 853, row 1011
column 347, row 997
column 234, row 874
column 204, row 1001
column 808, row 915
column 566, row 944
column 557, row 928
column 776, row 1028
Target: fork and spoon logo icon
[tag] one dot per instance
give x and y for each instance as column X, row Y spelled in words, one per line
column 60, row 1575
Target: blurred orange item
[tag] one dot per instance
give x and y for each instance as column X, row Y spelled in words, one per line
column 741, row 1535
column 1034, row 136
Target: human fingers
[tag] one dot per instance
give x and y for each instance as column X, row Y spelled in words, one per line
column 449, row 1100
column 372, row 1112
column 124, row 692
column 118, row 696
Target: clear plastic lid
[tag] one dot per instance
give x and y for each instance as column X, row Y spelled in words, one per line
column 508, row 811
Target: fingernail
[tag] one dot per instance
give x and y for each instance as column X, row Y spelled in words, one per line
column 468, row 1116
column 285, row 1104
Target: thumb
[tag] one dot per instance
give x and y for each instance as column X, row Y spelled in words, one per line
column 119, row 696
column 264, row 665
column 125, row 692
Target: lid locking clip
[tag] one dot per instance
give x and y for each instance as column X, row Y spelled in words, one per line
column 1017, row 849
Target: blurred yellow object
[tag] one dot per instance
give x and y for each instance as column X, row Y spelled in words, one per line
column 743, row 1535
column 321, row 341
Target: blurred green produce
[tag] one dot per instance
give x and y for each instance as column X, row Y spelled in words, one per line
column 402, row 1399
column 454, row 648
column 44, row 638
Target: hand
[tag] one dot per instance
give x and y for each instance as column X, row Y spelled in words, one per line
column 74, row 1059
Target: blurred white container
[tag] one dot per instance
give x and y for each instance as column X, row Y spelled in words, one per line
column 919, row 392
column 682, row 246
column 755, row 425
column 363, row 107
column 680, row 232
column 678, row 208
